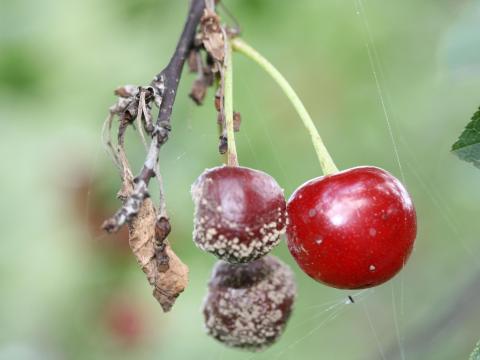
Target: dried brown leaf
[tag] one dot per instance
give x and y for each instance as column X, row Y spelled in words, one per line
column 212, row 35
column 168, row 282
column 199, row 91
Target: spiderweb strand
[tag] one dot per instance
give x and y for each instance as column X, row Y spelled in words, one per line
column 333, row 309
column 374, row 63
column 335, row 313
column 106, row 135
column 259, row 117
column 374, row 332
column 372, row 56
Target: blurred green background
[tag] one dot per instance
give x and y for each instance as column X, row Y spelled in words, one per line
column 70, row 292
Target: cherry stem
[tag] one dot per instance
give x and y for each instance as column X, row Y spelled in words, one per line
column 232, row 158
column 326, row 161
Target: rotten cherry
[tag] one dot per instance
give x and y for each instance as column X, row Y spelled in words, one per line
column 248, row 305
column 240, row 213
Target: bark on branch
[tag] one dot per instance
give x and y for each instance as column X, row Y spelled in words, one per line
column 165, row 85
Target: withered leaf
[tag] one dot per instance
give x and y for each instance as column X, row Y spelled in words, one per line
column 168, row 282
column 212, row 35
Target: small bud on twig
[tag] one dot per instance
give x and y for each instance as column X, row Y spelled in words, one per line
column 237, row 120
column 199, row 91
column 192, row 60
column 223, row 145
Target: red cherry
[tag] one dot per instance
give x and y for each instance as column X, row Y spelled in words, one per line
column 353, row 229
column 239, row 213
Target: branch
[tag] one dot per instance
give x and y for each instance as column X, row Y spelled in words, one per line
column 166, row 82
column 165, row 85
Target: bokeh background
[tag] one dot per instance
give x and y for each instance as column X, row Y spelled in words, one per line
column 69, row 292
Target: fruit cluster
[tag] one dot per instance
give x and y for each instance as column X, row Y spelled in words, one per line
column 349, row 229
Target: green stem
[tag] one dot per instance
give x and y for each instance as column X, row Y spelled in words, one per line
column 232, row 159
column 326, row 162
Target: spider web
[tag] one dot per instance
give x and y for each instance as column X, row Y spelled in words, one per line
column 316, row 317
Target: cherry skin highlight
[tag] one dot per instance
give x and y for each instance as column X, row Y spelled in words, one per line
column 240, row 213
column 351, row 230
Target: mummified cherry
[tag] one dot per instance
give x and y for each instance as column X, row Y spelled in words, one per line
column 240, row 213
column 353, row 229
column 248, row 305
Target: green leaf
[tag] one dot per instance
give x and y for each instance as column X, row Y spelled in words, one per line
column 476, row 353
column 467, row 146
